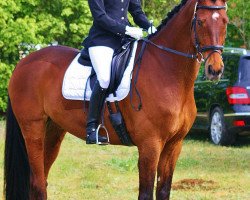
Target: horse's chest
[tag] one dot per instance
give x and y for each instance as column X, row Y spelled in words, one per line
column 180, row 120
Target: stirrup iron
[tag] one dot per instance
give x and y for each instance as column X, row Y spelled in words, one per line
column 101, row 126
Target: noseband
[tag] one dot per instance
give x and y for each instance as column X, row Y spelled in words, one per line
column 199, row 50
column 213, row 48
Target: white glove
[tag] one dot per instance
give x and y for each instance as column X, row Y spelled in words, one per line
column 134, row 32
column 151, row 30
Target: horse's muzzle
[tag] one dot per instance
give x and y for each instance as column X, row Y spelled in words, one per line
column 214, row 67
column 213, row 74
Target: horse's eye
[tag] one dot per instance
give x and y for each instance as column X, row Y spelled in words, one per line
column 200, row 22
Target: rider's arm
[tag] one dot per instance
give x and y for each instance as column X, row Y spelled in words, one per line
column 138, row 15
column 103, row 20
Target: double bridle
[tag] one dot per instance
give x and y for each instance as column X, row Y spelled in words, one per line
column 199, row 50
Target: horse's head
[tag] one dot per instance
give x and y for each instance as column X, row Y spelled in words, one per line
column 209, row 32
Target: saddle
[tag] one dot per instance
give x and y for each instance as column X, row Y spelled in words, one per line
column 119, row 64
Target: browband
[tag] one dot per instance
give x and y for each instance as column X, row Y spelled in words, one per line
column 212, row 7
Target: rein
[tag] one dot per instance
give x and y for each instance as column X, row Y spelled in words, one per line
column 192, row 56
column 199, row 50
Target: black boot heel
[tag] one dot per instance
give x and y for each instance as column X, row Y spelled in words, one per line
column 95, row 138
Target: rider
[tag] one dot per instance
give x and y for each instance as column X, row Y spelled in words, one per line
column 110, row 25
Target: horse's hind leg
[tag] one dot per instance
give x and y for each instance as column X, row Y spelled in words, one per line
column 53, row 139
column 34, row 132
column 166, row 167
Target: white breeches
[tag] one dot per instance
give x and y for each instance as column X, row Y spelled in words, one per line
column 101, row 58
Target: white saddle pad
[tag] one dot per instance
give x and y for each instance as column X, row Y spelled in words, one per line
column 76, row 76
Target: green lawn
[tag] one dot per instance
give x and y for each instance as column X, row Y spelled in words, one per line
column 203, row 172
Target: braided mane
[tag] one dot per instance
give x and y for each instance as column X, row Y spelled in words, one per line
column 171, row 14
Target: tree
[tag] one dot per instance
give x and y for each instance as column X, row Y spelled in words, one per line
column 239, row 24
column 158, row 9
column 24, row 24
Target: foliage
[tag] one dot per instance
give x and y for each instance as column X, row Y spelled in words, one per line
column 5, row 72
column 26, row 25
column 155, row 9
column 239, row 24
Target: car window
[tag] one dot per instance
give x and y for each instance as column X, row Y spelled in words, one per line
column 231, row 63
column 244, row 70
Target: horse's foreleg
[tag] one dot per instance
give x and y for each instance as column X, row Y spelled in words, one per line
column 165, row 170
column 33, row 133
column 149, row 153
column 53, row 139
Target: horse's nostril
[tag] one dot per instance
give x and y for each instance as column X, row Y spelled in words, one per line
column 213, row 72
column 210, row 70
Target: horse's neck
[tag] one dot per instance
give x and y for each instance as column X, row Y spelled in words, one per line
column 177, row 35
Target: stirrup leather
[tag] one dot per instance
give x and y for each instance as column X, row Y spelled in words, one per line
column 101, row 126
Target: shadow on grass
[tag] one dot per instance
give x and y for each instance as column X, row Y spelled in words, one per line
column 202, row 136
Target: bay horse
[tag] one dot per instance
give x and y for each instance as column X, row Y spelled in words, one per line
column 38, row 116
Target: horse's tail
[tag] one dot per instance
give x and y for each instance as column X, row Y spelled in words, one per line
column 16, row 164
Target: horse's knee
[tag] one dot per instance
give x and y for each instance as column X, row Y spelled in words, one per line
column 148, row 160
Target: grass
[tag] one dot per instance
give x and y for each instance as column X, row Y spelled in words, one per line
column 204, row 171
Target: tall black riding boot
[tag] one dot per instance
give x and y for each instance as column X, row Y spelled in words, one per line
column 96, row 103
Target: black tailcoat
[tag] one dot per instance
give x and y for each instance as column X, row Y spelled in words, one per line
column 110, row 20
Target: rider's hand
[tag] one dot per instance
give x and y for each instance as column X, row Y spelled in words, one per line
column 134, row 32
column 151, row 30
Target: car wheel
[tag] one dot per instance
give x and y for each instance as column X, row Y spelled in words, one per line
column 218, row 131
